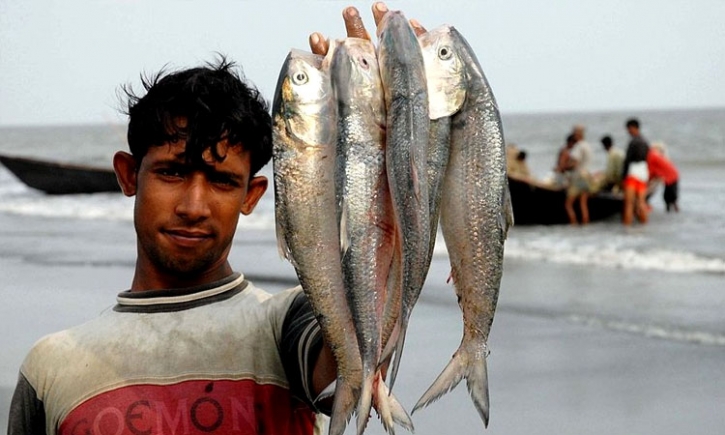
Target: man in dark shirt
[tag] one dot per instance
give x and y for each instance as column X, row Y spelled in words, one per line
column 635, row 175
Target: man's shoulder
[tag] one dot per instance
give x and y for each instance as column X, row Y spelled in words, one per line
column 66, row 339
column 281, row 298
column 639, row 141
column 56, row 351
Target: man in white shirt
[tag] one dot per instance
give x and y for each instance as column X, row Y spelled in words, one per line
column 580, row 186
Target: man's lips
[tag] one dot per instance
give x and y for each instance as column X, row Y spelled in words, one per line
column 188, row 238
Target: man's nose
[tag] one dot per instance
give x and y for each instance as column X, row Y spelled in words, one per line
column 194, row 204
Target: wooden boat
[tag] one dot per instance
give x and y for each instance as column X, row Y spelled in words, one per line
column 60, row 178
column 539, row 204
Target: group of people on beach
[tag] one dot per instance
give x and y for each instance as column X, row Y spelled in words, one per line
column 631, row 172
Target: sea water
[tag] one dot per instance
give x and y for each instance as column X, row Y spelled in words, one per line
column 692, row 241
column 660, row 285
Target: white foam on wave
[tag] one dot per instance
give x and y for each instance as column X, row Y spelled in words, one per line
column 626, row 252
column 96, row 206
column 613, row 255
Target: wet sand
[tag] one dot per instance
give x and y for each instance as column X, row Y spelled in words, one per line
column 575, row 350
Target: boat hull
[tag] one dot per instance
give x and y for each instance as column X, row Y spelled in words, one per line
column 60, row 178
column 536, row 204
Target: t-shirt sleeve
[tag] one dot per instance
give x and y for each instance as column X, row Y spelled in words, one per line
column 27, row 412
column 300, row 346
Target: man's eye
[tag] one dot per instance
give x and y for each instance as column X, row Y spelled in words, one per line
column 224, row 181
column 170, row 172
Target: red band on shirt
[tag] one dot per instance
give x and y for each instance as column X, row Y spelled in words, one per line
column 191, row 407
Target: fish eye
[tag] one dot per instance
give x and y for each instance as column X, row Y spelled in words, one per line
column 299, row 78
column 364, row 63
column 445, row 53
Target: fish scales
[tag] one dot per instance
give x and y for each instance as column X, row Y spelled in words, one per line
column 366, row 229
column 475, row 217
column 403, row 76
column 304, row 141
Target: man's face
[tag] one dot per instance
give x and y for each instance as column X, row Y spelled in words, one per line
column 186, row 216
column 632, row 130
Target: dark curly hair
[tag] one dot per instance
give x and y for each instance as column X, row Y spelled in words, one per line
column 216, row 104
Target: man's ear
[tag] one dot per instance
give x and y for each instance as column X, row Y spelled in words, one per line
column 126, row 172
column 256, row 188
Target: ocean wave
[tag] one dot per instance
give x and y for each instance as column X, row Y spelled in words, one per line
column 614, row 256
column 612, row 252
column 642, row 327
column 663, row 332
column 95, row 206
column 599, row 246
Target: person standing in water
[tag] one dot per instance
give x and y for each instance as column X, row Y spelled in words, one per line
column 635, row 175
column 580, row 185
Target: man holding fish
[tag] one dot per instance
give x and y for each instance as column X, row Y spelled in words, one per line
column 193, row 346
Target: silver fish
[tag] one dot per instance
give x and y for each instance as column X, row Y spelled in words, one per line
column 304, row 141
column 446, row 80
column 406, row 97
column 475, row 218
column 367, row 226
column 445, row 77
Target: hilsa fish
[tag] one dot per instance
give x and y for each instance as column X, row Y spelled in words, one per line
column 366, row 221
column 304, row 116
column 402, row 73
column 446, row 80
column 476, row 214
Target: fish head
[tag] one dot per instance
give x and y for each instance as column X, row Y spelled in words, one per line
column 445, row 72
column 303, row 103
column 356, row 77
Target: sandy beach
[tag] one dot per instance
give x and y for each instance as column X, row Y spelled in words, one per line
column 575, row 349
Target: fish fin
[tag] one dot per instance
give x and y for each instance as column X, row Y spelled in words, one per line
column 342, row 407
column 477, row 383
column 464, row 364
column 508, row 209
column 389, row 348
column 445, row 382
column 344, row 236
column 365, row 402
column 389, row 408
column 282, row 247
column 382, row 404
column 400, row 343
column 329, row 391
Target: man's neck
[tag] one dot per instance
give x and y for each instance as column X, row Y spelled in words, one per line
column 146, row 280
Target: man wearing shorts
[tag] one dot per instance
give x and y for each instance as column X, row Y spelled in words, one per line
column 661, row 168
column 636, row 175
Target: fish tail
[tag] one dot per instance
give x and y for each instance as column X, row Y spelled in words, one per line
column 389, row 408
column 365, row 402
column 477, row 383
column 398, row 353
column 466, row 363
column 342, row 407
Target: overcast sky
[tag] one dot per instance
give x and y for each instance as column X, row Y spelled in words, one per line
column 63, row 61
